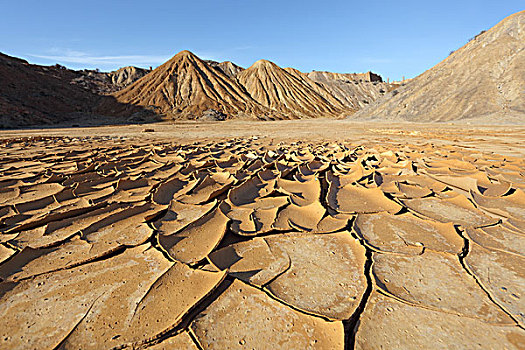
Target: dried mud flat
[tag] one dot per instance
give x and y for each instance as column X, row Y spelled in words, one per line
column 385, row 238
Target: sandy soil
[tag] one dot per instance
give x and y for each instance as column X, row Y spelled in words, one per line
column 315, row 234
column 507, row 139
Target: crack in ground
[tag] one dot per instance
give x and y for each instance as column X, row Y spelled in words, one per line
column 351, row 325
column 465, row 251
column 194, row 339
column 273, row 297
column 61, row 344
column 188, row 318
column 110, row 254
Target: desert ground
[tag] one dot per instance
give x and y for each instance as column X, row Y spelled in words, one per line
column 310, row 234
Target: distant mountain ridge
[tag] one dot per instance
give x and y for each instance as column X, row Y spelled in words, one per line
column 186, row 87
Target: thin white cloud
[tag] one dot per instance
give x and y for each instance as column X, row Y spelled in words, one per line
column 82, row 59
column 78, row 57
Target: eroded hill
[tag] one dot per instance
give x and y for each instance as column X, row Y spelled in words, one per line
column 484, row 81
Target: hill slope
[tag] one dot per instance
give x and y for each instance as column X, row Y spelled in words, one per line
column 353, row 90
column 32, row 94
column 288, row 91
column 186, row 87
column 484, row 81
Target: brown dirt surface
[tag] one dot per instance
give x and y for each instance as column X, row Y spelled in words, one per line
column 301, row 235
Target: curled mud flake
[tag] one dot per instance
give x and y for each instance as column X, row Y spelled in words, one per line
column 356, row 199
column 210, row 187
column 502, row 275
column 436, row 281
column 168, row 299
column 498, row 238
column 510, row 206
column 179, row 215
column 197, row 240
column 495, row 189
column 305, row 218
column 252, row 261
column 172, row 189
column 301, row 193
column 413, row 191
column 6, row 253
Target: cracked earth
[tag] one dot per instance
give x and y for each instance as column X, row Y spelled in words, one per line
column 127, row 242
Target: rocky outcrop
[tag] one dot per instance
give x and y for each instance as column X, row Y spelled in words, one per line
column 227, row 67
column 109, row 82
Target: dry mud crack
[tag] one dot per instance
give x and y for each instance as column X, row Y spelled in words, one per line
column 109, row 242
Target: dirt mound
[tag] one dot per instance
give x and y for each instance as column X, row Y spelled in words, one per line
column 481, row 82
column 186, row 87
column 288, row 91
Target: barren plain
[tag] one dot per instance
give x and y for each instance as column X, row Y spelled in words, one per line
column 311, row 234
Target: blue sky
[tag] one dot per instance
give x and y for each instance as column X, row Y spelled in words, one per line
column 393, row 38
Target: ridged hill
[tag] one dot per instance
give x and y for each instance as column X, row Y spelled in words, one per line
column 186, row 87
column 484, row 82
column 288, row 92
